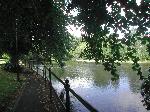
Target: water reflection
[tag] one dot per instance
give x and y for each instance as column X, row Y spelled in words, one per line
column 95, row 85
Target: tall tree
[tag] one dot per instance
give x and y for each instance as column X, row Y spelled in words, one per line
column 36, row 26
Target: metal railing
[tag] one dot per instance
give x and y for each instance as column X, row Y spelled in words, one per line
column 65, row 84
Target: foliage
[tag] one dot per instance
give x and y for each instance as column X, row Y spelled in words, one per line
column 141, row 51
column 97, row 21
column 38, row 26
column 6, row 57
column 56, row 42
column 145, row 91
column 77, row 48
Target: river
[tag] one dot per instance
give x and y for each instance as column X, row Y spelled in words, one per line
column 95, row 86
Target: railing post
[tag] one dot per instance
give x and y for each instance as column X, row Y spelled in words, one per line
column 50, row 82
column 31, row 65
column 45, row 76
column 25, row 63
column 43, row 71
column 37, row 69
column 67, row 86
column 50, row 86
column 50, row 77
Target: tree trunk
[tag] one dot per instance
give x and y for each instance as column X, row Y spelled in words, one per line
column 15, row 65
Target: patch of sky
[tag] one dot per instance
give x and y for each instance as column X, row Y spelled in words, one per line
column 77, row 30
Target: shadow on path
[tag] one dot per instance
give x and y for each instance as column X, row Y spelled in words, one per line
column 29, row 100
column 35, row 96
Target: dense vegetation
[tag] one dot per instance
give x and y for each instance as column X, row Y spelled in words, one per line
column 39, row 27
column 80, row 46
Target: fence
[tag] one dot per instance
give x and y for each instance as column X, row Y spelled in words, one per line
column 65, row 84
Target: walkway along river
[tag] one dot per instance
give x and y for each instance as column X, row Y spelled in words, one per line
column 94, row 85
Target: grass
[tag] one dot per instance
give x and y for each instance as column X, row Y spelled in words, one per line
column 8, row 84
column 3, row 61
column 8, row 87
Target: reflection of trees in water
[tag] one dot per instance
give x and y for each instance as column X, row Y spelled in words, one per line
column 145, row 91
column 102, row 78
column 140, row 86
column 134, row 82
column 115, row 84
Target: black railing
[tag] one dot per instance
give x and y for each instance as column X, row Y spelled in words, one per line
column 65, row 84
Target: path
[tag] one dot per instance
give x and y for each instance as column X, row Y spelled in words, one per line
column 35, row 97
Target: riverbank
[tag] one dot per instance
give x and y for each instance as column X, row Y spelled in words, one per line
column 93, row 61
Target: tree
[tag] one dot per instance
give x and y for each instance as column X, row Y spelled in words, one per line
column 14, row 38
column 33, row 26
column 41, row 25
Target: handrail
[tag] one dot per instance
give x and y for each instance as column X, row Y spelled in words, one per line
column 58, row 78
column 40, row 69
column 84, row 102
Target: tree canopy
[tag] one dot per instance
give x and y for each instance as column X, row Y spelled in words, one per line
column 40, row 26
column 99, row 16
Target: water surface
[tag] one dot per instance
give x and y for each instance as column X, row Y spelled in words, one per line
column 95, row 86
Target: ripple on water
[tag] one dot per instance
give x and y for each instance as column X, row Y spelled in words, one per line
column 94, row 84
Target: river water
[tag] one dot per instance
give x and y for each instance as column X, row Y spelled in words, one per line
column 95, row 86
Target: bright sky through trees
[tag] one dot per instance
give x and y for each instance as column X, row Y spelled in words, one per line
column 76, row 31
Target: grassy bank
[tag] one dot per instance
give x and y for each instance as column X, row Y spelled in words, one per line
column 9, row 89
